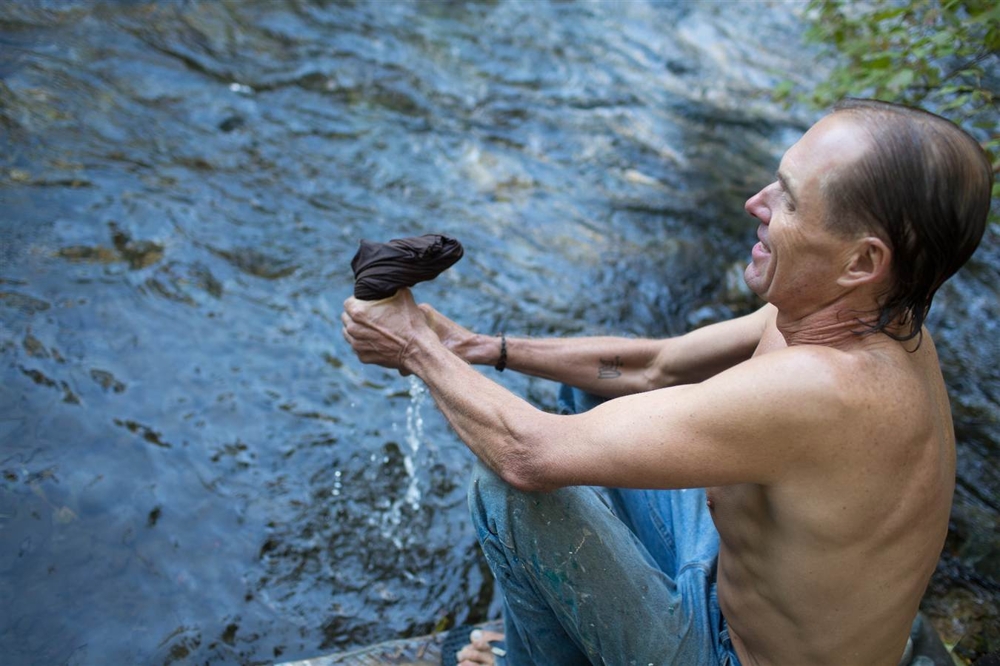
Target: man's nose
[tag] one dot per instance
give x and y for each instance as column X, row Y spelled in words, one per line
column 757, row 206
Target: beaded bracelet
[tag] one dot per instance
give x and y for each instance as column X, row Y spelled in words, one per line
column 502, row 363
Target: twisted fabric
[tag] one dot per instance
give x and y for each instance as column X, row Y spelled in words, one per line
column 382, row 268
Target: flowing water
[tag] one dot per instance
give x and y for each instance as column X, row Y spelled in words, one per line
column 193, row 466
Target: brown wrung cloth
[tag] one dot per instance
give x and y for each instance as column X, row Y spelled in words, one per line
column 382, row 268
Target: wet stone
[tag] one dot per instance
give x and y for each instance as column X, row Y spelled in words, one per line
column 23, row 302
column 107, row 381
column 232, row 123
column 256, row 263
column 34, row 347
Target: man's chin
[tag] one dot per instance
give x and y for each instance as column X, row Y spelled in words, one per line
column 755, row 281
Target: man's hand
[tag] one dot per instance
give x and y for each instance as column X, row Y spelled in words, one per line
column 383, row 332
column 459, row 340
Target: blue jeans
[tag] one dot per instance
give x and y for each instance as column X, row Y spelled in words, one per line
column 602, row 576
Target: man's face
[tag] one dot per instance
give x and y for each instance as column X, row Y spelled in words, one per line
column 797, row 261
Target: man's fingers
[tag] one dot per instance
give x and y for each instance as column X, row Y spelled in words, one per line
column 381, row 331
column 346, row 324
column 472, row 657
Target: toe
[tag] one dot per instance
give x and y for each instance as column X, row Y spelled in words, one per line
column 471, row 656
column 481, row 639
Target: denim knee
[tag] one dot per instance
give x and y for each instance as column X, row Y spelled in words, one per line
column 489, row 499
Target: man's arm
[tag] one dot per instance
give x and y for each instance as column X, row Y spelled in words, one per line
column 609, row 366
column 747, row 424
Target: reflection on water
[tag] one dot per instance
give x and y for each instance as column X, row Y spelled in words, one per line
column 193, row 467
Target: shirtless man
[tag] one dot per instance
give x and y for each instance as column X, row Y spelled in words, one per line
column 819, row 426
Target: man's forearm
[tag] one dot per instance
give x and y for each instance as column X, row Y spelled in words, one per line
column 606, row 366
column 611, row 367
column 503, row 430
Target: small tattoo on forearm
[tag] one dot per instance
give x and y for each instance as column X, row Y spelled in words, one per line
column 610, row 368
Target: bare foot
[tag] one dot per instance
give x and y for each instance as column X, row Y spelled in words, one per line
column 478, row 651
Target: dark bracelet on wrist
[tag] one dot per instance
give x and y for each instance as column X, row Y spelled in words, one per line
column 502, row 363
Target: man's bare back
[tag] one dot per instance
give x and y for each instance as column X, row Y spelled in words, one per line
column 829, row 568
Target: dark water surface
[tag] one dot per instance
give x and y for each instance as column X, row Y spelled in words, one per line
column 193, row 467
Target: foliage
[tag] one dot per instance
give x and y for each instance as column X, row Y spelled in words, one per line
column 942, row 55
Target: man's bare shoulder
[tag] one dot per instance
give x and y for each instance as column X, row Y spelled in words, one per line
column 807, row 392
column 831, row 393
column 813, row 371
column 844, row 372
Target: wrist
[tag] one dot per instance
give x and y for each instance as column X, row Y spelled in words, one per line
column 417, row 352
column 478, row 349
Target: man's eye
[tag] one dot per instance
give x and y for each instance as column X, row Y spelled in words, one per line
column 789, row 206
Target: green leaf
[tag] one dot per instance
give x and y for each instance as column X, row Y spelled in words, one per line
column 782, row 90
column 958, row 102
column 992, row 39
column 886, row 14
column 877, row 61
column 909, row 51
column 901, row 79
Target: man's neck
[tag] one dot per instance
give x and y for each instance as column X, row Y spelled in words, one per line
column 839, row 325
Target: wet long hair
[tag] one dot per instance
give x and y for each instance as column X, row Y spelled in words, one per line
column 923, row 186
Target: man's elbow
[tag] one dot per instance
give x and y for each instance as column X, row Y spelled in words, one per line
column 525, row 469
column 527, row 480
column 658, row 375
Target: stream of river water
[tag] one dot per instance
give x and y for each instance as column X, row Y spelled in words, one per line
column 193, row 465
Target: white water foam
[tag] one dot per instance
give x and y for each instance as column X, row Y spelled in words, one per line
column 392, row 518
column 414, row 436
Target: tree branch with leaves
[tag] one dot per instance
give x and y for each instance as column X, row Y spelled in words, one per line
column 942, row 55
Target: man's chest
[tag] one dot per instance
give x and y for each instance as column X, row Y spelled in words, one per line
column 740, row 512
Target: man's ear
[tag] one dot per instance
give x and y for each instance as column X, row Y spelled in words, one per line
column 870, row 263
